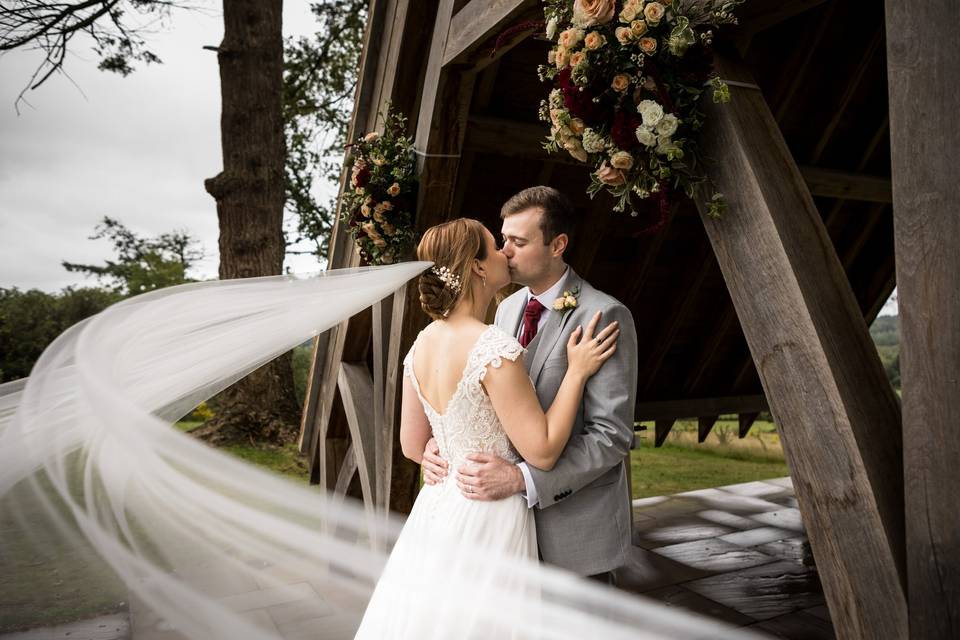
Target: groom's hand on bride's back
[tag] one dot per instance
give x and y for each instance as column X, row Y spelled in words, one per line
column 489, row 477
column 434, row 467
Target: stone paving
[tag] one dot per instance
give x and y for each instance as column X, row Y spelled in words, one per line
column 736, row 553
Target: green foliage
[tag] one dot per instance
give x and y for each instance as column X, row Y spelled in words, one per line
column 142, row 264
column 885, row 331
column 30, row 320
column 320, row 77
column 301, row 369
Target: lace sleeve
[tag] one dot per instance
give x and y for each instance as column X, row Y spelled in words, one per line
column 496, row 345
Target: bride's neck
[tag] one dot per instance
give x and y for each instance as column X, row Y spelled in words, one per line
column 474, row 307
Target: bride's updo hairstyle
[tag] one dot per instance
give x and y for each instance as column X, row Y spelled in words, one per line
column 452, row 247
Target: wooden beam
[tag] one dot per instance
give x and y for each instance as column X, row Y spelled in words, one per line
column 839, row 109
column 746, row 421
column 838, row 416
column 799, row 64
column 704, row 426
column 441, row 125
column 356, row 389
column 759, row 15
column 694, row 407
column 848, row 186
column 478, row 22
column 924, row 103
column 662, row 430
column 679, row 309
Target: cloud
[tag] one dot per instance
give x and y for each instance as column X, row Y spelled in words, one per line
column 136, row 149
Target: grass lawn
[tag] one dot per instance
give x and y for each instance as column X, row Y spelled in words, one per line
column 682, row 464
column 47, row 577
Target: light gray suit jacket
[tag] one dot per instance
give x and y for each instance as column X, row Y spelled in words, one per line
column 583, row 517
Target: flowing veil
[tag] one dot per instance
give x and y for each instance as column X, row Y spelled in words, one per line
column 98, row 488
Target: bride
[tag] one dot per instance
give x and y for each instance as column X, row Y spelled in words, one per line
column 466, row 386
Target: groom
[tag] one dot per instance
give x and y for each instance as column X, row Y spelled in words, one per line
column 582, row 505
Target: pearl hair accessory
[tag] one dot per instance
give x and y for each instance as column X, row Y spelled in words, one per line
column 449, row 278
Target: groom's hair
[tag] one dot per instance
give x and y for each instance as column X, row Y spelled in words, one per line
column 558, row 212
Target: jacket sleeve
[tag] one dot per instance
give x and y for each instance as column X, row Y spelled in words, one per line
column 608, row 405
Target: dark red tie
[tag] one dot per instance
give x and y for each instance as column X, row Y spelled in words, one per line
column 531, row 321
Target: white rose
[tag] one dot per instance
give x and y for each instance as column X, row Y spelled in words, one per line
column 651, row 112
column 551, row 28
column 646, row 137
column 667, row 126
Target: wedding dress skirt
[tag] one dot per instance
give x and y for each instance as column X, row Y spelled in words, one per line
column 441, row 515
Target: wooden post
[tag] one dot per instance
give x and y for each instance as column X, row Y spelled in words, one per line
column 925, row 139
column 839, row 418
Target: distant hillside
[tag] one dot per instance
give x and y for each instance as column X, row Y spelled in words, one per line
column 885, row 331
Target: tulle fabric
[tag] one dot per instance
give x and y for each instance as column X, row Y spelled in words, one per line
column 97, row 486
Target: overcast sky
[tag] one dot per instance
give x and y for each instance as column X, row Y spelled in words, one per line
column 136, row 149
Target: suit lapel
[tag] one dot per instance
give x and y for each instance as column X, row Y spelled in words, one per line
column 546, row 339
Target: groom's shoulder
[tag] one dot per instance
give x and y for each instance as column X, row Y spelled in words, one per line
column 594, row 298
column 515, row 296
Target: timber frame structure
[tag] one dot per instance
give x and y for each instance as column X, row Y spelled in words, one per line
column 837, row 152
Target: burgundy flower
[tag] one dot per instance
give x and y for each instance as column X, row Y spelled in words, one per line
column 579, row 100
column 623, row 129
column 361, row 177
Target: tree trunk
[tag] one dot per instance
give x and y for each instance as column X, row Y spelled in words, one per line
column 250, row 196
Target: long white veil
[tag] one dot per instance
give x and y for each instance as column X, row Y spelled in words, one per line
column 98, row 488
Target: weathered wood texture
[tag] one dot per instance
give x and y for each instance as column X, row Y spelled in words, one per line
column 839, row 418
column 924, row 102
column 390, row 74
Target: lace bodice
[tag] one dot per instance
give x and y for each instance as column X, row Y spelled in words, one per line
column 469, row 424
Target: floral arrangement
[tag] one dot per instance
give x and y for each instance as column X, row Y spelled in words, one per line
column 379, row 205
column 628, row 76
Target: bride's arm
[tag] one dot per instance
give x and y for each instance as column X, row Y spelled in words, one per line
column 540, row 438
column 414, row 426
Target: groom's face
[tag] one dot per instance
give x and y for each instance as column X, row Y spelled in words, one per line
column 528, row 257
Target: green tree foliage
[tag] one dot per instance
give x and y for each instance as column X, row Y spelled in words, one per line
column 320, row 77
column 30, row 320
column 141, row 264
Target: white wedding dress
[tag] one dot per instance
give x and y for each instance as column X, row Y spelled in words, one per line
column 442, row 513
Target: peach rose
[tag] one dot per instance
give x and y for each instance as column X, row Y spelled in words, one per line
column 577, row 126
column 621, row 160
column 608, row 175
column 371, row 137
column 624, row 35
column 562, row 58
column 653, row 12
column 551, row 57
column 570, row 38
column 394, row 189
column 577, row 59
column 648, row 45
column 621, row 82
column 587, row 13
column 638, row 28
column 594, row 41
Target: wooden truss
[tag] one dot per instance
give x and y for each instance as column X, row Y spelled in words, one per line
column 881, row 518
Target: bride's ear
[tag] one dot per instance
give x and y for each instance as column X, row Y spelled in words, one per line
column 478, row 269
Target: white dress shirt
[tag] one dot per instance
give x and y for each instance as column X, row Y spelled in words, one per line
column 546, row 299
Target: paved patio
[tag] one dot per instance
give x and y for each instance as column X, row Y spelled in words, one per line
column 736, row 553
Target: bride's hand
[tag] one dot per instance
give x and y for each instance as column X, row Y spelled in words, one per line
column 586, row 354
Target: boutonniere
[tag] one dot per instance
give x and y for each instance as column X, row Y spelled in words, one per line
column 566, row 302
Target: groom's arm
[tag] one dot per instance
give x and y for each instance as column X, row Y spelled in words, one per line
column 609, row 400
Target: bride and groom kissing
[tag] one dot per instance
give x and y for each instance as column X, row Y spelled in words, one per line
column 521, row 427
